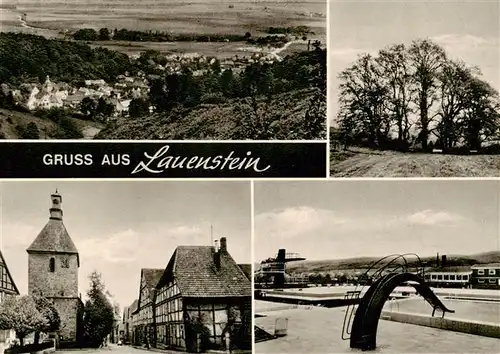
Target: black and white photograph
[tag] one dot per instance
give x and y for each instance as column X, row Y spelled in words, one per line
column 400, row 266
column 127, row 267
column 172, row 70
column 413, row 88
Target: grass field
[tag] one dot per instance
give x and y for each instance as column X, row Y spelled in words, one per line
column 369, row 163
column 179, row 16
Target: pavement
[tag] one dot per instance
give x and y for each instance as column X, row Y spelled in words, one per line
column 112, row 348
column 127, row 349
column 318, row 330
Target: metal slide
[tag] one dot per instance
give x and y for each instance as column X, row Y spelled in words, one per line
column 365, row 323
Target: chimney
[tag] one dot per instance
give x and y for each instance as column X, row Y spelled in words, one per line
column 443, row 260
column 216, row 254
column 223, row 244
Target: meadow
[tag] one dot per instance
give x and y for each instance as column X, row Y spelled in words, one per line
column 362, row 162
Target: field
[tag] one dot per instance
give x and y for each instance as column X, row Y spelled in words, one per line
column 368, row 163
column 56, row 17
column 220, row 50
column 178, row 16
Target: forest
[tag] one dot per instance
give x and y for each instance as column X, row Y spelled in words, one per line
column 25, row 57
column 416, row 98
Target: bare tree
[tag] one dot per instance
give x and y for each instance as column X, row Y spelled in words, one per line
column 396, row 74
column 362, row 101
column 427, row 58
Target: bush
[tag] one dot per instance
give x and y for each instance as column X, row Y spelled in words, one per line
column 67, row 129
column 213, row 98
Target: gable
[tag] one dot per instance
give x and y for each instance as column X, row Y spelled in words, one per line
column 7, row 284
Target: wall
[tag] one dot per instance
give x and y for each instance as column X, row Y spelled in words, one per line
column 68, row 312
column 455, row 325
column 61, row 282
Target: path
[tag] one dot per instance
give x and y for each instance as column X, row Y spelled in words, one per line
column 277, row 51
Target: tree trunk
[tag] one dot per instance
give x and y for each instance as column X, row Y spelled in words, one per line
column 37, row 337
column 424, row 120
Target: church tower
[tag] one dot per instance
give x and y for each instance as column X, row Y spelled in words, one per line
column 53, row 263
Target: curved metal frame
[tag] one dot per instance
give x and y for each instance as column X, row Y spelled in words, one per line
column 364, row 327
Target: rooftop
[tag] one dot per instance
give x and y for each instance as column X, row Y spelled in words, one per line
column 197, row 275
column 53, row 238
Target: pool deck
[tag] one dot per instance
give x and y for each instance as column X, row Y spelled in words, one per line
column 318, row 330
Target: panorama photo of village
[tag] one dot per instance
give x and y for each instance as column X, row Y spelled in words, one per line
column 418, row 273
column 414, row 88
column 127, row 267
column 199, row 70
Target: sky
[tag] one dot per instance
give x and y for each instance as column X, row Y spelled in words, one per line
column 340, row 219
column 468, row 30
column 120, row 227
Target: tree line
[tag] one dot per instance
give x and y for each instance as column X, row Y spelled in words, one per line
column 105, row 34
column 25, row 57
column 416, row 96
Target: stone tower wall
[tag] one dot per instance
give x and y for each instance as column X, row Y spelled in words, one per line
column 63, row 282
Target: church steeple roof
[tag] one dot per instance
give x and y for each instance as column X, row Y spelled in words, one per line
column 54, row 238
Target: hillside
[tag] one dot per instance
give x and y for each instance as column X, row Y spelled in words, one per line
column 358, row 162
column 365, row 262
column 281, row 118
column 11, row 120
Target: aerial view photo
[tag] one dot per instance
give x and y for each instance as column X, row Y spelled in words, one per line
column 414, row 88
column 203, row 69
column 340, row 269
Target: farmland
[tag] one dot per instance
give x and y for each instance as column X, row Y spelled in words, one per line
column 182, row 16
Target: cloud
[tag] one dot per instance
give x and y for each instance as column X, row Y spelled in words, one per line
column 463, row 41
column 431, row 217
column 119, row 247
column 133, row 245
column 295, row 221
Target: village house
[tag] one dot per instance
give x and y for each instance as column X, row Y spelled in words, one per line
column 130, row 321
column 203, row 297
column 48, row 96
column 7, row 289
column 144, row 324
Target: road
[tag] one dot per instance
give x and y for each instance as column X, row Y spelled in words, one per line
column 112, row 348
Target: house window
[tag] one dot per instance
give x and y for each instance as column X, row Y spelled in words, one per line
column 433, row 276
column 491, row 272
column 446, row 277
column 452, row 277
column 465, row 277
column 480, row 271
column 492, row 281
column 52, row 265
column 440, row 277
column 480, row 281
